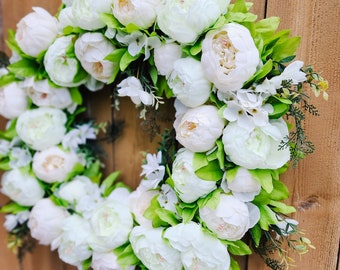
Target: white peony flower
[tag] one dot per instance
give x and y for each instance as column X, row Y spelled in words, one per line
column 141, row 13
column 87, row 13
column 188, row 186
column 21, row 187
column 54, row 164
column 91, row 50
column 106, row 261
column 154, row 252
column 244, row 186
column 66, row 18
column 230, row 220
column 13, row 101
column 111, row 222
column 41, row 128
column 165, row 57
column 133, row 88
column 199, row 128
column 184, row 21
column 188, row 82
column 43, row 94
column 229, row 56
column 139, row 201
column 258, row 148
column 198, row 249
column 36, row 31
column 62, row 68
column 45, row 221
column 73, row 247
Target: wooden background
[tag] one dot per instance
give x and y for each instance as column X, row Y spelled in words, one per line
column 314, row 184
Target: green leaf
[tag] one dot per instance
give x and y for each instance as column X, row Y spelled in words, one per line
column 76, row 95
column 131, row 28
column 11, row 42
column 264, row 177
column 153, row 74
column 107, row 184
column 10, row 132
column 116, row 55
column 151, row 213
column 234, row 264
column 110, row 21
column 267, row 25
column 211, row 200
column 24, row 68
column 200, row 161
column 167, row 216
column 280, row 109
column 256, row 234
column 261, row 73
column 126, row 59
column 283, row 208
column 280, row 191
column 231, row 174
column 211, row 172
column 80, row 75
column 4, row 165
column 7, row 79
column 240, row 17
column 126, row 256
column 188, row 214
column 59, row 201
column 94, row 172
column 239, row 248
column 87, row 264
column 13, row 208
column 220, row 153
column 286, row 48
column 267, row 217
column 283, row 100
column 239, row 6
column 196, row 48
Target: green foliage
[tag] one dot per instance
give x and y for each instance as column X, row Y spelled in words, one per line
column 126, row 256
column 108, row 183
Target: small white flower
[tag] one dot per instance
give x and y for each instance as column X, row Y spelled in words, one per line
column 21, row 187
column 199, row 128
column 62, row 68
column 141, row 13
column 168, row 198
column 291, row 73
column 229, row 56
column 230, row 220
column 154, row 252
column 91, row 50
column 188, row 186
column 135, row 41
column 46, row 220
column 13, row 220
column 198, row 249
column 13, row 101
column 153, row 170
column 133, row 88
column 165, row 57
column 41, row 128
column 54, row 164
column 36, row 31
column 188, row 82
column 184, row 21
column 4, row 147
column 78, row 136
column 20, row 157
column 257, row 148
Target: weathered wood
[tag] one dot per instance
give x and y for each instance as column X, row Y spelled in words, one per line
column 314, row 184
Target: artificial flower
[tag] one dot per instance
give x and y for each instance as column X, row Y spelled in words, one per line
column 11, row 220
column 257, row 148
column 153, row 171
column 167, row 198
column 41, row 128
column 111, row 222
column 87, row 13
column 13, row 101
column 229, row 56
column 106, row 261
column 188, row 82
column 73, row 246
column 133, row 88
column 154, row 252
column 63, row 68
column 199, row 128
column 198, row 249
column 231, row 218
column 187, row 184
column 91, row 50
column 43, row 94
column 165, row 56
column 21, row 187
column 292, row 73
column 46, row 220
column 19, row 157
column 78, row 136
column 66, row 18
column 184, row 21
column 54, row 164
column 141, row 13
column 36, row 31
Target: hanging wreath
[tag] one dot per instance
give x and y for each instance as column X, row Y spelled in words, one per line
column 236, row 87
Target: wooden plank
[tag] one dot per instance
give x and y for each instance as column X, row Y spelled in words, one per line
column 314, row 184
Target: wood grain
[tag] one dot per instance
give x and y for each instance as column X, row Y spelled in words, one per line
column 314, row 184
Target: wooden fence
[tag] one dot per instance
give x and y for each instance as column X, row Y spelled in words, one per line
column 314, row 184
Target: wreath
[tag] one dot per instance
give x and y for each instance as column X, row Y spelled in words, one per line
column 240, row 100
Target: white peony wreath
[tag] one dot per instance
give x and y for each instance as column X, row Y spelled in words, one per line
column 235, row 86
